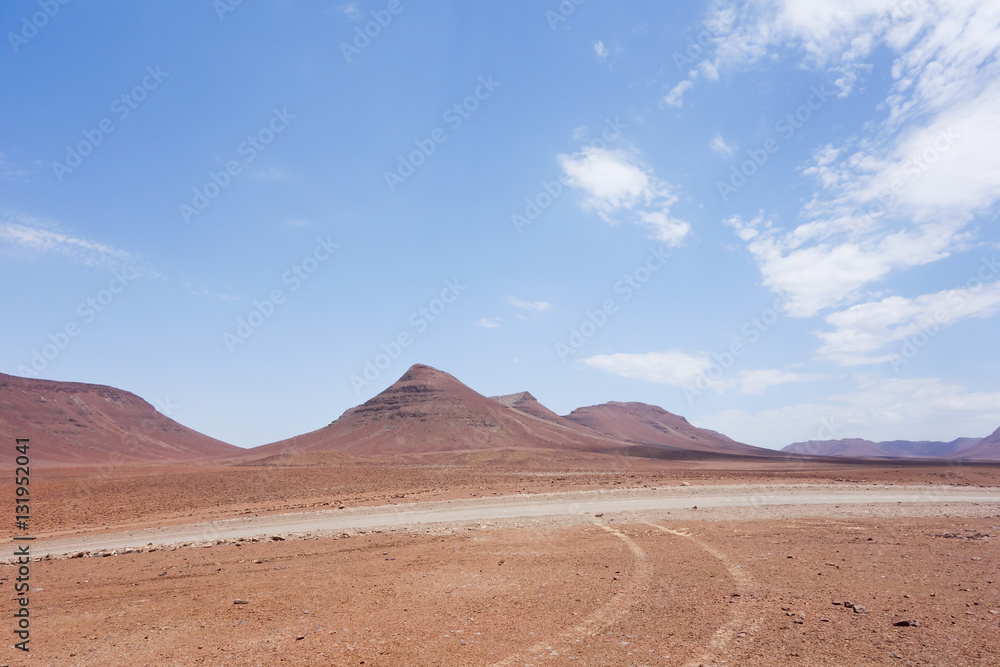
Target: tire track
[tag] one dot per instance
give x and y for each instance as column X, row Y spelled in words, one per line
column 740, row 619
column 603, row 617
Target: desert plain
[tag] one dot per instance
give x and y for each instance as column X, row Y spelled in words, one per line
column 756, row 575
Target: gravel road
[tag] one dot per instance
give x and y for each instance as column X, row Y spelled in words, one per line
column 721, row 502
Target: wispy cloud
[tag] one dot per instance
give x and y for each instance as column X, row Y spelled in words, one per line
column 681, row 369
column 879, row 409
column 272, row 174
column 675, row 97
column 757, row 381
column 721, row 148
column 862, row 333
column 489, row 322
column 671, row 367
column 33, row 235
column 10, row 171
column 536, row 306
column 617, row 183
column 350, row 10
column 601, row 51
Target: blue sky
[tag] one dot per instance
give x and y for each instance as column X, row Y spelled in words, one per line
column 775, row 218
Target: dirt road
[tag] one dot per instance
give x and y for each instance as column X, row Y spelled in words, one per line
column 711, row 502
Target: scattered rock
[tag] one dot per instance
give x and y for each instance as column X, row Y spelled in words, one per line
column 905, row 623
column 240, row 602
column 848, row 604
column 858, row 609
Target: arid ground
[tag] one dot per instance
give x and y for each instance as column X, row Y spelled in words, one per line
column 781, row 564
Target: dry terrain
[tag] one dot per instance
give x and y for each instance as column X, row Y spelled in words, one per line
column 750, row 577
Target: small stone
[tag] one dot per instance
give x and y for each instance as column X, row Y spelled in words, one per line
column 848, row 604
column 858, row 609
column 240, row 602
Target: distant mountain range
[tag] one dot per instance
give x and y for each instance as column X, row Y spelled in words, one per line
column 426, row 411
column 987, row 448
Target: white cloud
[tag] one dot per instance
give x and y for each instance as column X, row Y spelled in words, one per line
column 862, row 333
column 672, row 367
column 34, row 235
column 721, row 148
column 680, row 369
column 615, row 182
column 297, row 222
column 756, row 382
column 830, row 273
column 489, row 322
column 536, row 306
column 601, row 51
column 904, row 191
column 666, row 229
column 877, row 409
column 675, row 97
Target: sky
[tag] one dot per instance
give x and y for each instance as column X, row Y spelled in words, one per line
column 775, row 218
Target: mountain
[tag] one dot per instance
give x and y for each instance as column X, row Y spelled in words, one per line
column 428, row 410
column 76, row 423
column 988, row 449
column 525, row 402
column 859, row 448
column 652, row 425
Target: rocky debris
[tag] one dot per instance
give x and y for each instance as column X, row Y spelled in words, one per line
column 240, row 602
column 858, row 609
column 905, row 623
column 969, row 535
